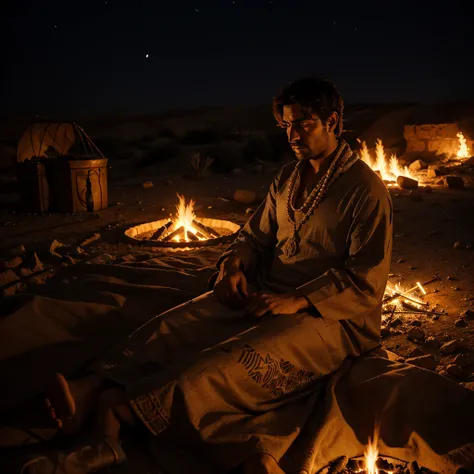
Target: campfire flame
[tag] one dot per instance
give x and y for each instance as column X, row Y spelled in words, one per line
column 184, row 218
column 389, row 170
column 463, row 150
column 414, row 302
column 372, row 453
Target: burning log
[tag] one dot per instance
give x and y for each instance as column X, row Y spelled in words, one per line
column 191, row 235
column 417, row 286
column 205, row 230
column 175, row 233
column 338, row 465
column 407, row 183
column 161, row 230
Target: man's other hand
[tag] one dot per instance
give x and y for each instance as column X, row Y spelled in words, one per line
column 263, row 303
column 231, row 285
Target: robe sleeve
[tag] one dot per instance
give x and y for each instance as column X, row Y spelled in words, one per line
column 259, row 232
column 357, row 288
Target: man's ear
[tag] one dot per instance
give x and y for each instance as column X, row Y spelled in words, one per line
column 332, row 122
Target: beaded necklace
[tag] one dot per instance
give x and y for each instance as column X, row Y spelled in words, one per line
column 343, row 160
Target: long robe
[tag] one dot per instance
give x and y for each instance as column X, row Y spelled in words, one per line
column 219, row 378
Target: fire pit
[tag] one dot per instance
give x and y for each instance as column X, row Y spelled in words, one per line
column 372, row 462
column 382, row 465
column 184, row 231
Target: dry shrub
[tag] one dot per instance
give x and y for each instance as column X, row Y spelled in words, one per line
column 199, row 165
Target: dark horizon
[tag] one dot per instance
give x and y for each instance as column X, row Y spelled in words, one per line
column 113, row 57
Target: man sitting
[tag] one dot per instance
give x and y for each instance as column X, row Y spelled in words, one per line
column 297, row 293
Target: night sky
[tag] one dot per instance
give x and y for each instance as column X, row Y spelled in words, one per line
column 143, row 56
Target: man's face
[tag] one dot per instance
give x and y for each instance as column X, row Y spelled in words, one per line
column 308, row 136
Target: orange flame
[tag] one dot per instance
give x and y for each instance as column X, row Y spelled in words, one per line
column 463, row 150
column 184, row 218
column 415, row 302
column 389, row 170
column 372, row 453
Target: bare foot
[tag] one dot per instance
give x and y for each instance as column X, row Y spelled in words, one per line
column 262, row 464
column 70, row 402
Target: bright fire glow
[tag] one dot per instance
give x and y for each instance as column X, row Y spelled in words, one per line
column 184, row 218
column 389, row 170
column 415, row 302
column 372, row 453
column 421, row 287
column 463, row 150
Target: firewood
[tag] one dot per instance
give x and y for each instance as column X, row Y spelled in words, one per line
column 338, row 465
column 175, row 233
column 206, row 230
column 161, row 230
column 191, row 236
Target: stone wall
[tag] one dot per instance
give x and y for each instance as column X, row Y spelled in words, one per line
column 433, row 139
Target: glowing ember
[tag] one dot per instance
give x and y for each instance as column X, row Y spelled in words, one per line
column 372, row 453
column 389, row 170
column 184, row 218
column 463, row 150
column 413, row 301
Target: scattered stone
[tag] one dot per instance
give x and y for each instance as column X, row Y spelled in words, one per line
column 416, row 323
column 90, row 239
column 249, row 210
column 33, row 262
column 412, row 267
column 14, row 262
column 407, row 183
column 432, row 343
column 425, row 361
column 413, row 468
column 460, row 323
column 416, row 334
column 451, row 278
column 53, row 246
column 395, row 323
column 456, row 371
column 17, row 251
column 417, row 165
column 465, row 359
column 416, row 352
column 450, row 347
column 147, row 184
column 7, row 277
column 245, row 197
column 457, row 245
column 237, row 171
column 469, row 385
column 384, row 332
column 468, row 315
column 453, row 182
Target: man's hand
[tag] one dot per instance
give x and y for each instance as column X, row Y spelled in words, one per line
column 262, row 303
column 231, row 285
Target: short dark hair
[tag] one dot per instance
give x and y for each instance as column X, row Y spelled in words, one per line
column 315, row 95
